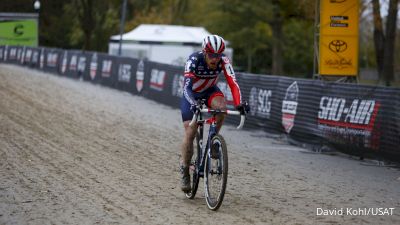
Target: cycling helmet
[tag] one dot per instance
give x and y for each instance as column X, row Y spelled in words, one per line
column 213, row 44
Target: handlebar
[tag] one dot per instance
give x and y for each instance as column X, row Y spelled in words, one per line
column 228, row 112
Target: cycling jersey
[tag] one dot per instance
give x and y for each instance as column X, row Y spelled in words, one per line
column 200, row 82
column 198, row 77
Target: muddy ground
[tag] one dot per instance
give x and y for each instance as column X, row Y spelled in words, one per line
column 76, row 153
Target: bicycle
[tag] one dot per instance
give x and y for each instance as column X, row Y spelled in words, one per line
column 210, row 161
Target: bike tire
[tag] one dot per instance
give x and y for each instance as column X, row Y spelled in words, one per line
column 193, row 170
column 214, row 197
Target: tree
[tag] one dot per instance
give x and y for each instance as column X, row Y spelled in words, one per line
column 385, row 41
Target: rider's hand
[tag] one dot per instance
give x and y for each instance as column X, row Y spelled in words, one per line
column 243, row 107
column 194, row 107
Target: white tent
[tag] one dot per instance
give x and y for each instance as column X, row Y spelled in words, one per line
column 169, row 44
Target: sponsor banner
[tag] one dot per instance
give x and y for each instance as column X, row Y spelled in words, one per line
column 83, row 66
column 299, row 101
column 42, row 56
column 140, row 69
column 157, row 79
column 21, row 54
column 64, row 63
column 16, row 31
column 261, row 94
column 338, row 44
column 93, row 67
column 159, row 83
column 107, row 73
column 351, row 115
column 289, row 107
column 35, row 57
column 28, row 56
column 12, row 54
column 2, row 51
column 126, row 74
column 68, row 63
column 51, row 59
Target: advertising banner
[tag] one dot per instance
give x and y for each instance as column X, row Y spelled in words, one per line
column 338, row 43
column 18, row 32
column 126, row 74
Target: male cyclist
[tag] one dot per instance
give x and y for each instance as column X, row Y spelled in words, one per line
column 201, row 75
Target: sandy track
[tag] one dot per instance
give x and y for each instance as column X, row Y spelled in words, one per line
column 76, row 153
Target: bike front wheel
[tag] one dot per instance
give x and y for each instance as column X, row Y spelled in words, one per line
column 216, row 172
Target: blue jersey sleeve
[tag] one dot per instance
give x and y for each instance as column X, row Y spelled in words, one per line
column 187, row 90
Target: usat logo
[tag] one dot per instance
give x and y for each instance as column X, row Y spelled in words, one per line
column 289, row 107
column 140, row 76
column 64, row 62
column 93, row 66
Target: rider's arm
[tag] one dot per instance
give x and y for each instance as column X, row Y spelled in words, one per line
column 187, row 88
column 189, row 77
column 231, row 79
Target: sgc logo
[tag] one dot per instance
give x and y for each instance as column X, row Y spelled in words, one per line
column 260, row 102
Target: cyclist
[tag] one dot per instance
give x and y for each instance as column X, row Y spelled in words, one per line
column 201, row 75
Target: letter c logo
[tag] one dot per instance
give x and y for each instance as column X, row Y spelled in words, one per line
column 18, row 30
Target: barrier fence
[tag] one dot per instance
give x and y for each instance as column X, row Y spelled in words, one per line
column 360, row 119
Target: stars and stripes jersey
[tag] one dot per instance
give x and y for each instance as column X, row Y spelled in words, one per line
column 198, row 77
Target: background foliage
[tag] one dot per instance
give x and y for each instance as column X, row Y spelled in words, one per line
column 268, row 36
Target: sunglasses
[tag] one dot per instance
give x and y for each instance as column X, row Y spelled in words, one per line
column 214, row 55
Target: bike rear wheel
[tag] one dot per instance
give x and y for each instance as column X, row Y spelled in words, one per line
column 193, row 168
column 216, row 172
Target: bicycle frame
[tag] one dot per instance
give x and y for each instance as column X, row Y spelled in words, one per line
column 211, row 133
column 205, row 165
column 198, row 118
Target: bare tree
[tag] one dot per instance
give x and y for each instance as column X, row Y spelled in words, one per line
column 384, row 40
column 277, row 26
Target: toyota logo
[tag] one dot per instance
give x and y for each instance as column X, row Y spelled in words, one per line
column 338, row 46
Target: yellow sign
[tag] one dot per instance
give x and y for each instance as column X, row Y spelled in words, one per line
column 338, row 44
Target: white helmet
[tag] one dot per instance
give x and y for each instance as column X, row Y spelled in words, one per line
column 213, row 44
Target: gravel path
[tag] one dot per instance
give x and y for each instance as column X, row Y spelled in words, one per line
column 76, row 153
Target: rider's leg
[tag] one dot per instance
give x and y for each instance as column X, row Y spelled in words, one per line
column 218, row 102
column 187, row 144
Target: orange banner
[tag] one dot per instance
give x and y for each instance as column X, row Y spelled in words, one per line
column 338, row 43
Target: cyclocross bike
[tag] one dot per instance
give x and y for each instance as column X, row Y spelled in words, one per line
column 210, row 161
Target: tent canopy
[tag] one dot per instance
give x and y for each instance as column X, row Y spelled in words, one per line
column 158, row 33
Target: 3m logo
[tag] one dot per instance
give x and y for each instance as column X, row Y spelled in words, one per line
column 106, row 68
column 360, row 114
column 157, row 79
